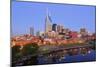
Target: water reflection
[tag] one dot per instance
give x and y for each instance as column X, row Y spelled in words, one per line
column 67, row 56
column 63, row 56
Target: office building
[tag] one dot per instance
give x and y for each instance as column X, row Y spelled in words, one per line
column 54, row 27
column 48, row 23
column 31, row 31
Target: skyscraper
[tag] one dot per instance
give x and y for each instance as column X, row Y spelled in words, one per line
column 38, row 33
column 48, row 24
column 83, row 32
column 54, row 27
column 60, row 28
column 31, row 31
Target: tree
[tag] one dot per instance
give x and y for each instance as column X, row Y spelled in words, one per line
column 30, row 49
column 16, row 52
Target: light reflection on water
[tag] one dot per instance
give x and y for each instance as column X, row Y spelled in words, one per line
column 64, row 58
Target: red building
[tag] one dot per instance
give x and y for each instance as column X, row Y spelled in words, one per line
column 73, row 34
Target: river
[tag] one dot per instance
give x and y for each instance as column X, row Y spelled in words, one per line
column 65, row 58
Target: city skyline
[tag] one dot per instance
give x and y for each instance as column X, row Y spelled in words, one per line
column 28, row 14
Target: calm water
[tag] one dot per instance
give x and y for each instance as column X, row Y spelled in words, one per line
column 91, row 56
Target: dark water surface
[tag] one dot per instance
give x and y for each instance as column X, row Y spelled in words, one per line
column 91, row 56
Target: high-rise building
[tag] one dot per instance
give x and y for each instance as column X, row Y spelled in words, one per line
column 67, row 30
column 60, row 28
column 48, row 23
column 31, row 31
column 38, row 33
column 54, row 27
column 83, row 32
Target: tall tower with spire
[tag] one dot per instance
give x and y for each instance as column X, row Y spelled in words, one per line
column 48, row 22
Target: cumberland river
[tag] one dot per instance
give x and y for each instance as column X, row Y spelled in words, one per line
column 58, row 54
column 65, row 58
column 59, row 58
column 74, row 54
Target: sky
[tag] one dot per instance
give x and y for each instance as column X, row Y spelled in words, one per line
column 32, row 14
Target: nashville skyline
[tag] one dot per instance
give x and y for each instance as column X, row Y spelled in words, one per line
column 49, row 23
column 34, row 16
